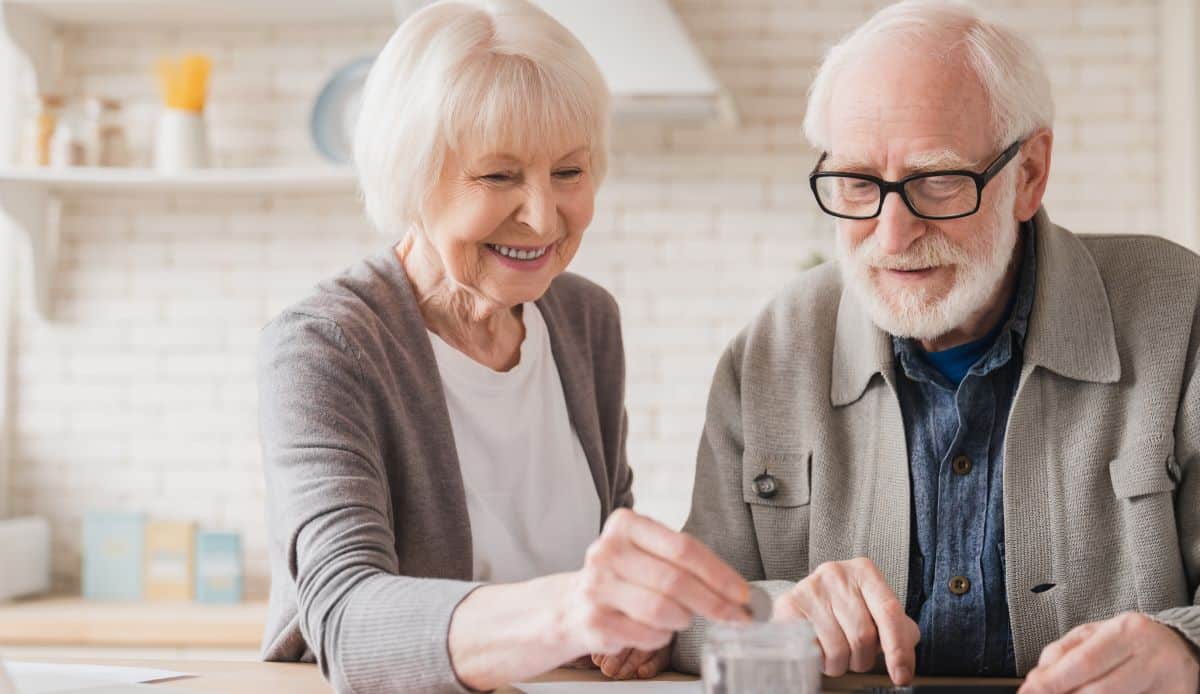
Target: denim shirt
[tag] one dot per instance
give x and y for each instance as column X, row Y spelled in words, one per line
column 955, row 434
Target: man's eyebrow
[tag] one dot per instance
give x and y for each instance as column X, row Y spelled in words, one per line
column 919, row 162
column 937, row 160
column 843, row 163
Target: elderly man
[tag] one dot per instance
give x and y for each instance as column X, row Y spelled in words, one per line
column 970, row 446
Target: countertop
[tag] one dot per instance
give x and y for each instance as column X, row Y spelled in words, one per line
column 73, row 621
column 294, row 678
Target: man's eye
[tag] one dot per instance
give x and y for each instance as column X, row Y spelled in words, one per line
column 855, row 188
column 942, row 185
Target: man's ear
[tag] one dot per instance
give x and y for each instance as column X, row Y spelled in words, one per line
column 1033, row 173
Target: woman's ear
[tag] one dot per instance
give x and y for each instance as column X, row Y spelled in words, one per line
column 1033, row 173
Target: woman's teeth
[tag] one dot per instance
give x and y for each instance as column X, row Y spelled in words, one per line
column 517, row 254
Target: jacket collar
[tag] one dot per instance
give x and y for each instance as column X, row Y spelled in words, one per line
column 1070, row 328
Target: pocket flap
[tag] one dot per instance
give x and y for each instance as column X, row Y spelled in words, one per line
column 789, row 472
column 1146, row 469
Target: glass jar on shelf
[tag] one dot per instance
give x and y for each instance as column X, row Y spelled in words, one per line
column 104, row 134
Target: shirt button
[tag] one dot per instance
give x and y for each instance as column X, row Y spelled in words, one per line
column 961, row 465
column 766, row 486
column 959, row 585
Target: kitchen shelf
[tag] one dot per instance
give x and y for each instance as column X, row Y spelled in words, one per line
column 31, row 201
column 73, row 621
column 206, row 11
column 252, row 180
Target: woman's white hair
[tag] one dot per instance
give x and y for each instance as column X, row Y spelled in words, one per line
column 499, row 75
column 1007, row 65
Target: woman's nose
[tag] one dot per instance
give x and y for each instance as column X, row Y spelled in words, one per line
column 539, row 209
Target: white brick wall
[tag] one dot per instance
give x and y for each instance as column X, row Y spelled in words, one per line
column 141, row 395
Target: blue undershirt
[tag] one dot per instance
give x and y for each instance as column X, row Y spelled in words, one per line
column 954, row 363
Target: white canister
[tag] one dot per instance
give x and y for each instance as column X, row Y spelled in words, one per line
column 6, row 684
column 25, row 569
column 181, row 142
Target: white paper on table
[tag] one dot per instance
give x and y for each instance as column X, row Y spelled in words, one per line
column 48, row 678
column 615, row 687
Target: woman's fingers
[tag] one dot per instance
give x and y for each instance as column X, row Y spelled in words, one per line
column 611, row 665
column 681, row 550
column 635, row 661
column 607, row 632
column 654, row 579
column 636, row 566
column 605, row 588
column 656, row 664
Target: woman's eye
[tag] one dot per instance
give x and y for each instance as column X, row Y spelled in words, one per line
column 497, row 177
column 569, row 174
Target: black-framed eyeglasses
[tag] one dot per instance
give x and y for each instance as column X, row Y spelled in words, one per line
column 929, row 195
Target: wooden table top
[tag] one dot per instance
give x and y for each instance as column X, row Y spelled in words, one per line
column 296, row 678
column 73, row 621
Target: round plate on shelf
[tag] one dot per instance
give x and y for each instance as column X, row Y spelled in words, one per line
column 336, row 110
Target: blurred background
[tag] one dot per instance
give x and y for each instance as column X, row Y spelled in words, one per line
column 131, row 299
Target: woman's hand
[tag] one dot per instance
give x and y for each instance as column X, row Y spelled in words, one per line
column 633, row 663
column 641, row 582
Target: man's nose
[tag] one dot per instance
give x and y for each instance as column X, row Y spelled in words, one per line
column 897, row 227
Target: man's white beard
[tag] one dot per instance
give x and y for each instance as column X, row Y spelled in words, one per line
column 980, row 265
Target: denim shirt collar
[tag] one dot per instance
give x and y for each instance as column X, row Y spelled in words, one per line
column 1008, row 340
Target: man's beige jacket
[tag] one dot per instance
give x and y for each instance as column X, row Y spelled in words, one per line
column 1102, row 452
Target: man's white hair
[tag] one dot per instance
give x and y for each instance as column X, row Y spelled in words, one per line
column 500, row 75
column 1007, row 65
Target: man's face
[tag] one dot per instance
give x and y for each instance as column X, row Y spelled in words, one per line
column 895, row 113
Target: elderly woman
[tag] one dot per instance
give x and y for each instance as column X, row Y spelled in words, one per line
column 443, row 426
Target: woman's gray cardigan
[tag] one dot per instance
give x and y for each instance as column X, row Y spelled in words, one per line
column 369, row 537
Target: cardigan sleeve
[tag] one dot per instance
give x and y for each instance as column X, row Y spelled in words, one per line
column 370, row 629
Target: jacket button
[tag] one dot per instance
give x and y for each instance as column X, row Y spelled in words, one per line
column 961, row 465
column 959, row 585
column 766, row 486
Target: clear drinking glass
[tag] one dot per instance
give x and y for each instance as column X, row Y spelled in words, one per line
column 761, row 657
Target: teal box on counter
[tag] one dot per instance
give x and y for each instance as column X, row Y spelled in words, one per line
column 218, row 567
column 113, row 543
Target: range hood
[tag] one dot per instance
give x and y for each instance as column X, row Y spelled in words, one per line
column 652, row 67
column 654, row 70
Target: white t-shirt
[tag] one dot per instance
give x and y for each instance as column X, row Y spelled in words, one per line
column 530, row 496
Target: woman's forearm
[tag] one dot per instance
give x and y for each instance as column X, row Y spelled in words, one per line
column 501, row 634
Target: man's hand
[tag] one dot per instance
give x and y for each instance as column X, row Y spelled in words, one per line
column 1129, row 653
column 856, row 616
column 631, row 662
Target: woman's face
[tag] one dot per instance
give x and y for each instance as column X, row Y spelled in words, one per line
column 507, row 223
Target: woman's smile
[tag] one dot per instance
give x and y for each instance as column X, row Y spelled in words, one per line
column 528, row 258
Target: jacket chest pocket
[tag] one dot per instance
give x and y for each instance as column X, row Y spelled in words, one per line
column 1148, row 468
column 1144, row 479
column 777, row 489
